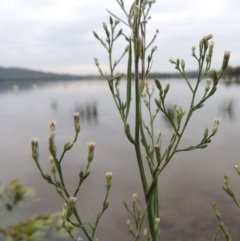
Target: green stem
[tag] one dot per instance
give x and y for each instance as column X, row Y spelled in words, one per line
column 100, row 215
column 138, row 124
column 81, row 181
column 169, row 157
column 81, row 224
column 64, row 151
column 137, row 130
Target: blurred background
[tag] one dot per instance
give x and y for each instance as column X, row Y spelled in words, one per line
column 47, row 73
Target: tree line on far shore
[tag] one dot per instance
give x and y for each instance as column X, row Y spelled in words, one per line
column 18, row 74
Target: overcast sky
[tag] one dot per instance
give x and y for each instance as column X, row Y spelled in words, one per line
column 56, row 35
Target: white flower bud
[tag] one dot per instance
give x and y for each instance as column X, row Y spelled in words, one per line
column 216, row 125
column 134, row 197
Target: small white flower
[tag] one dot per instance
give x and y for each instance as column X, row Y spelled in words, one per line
column 109, row 175
column 65, row 206
column 134, row 197
column 91, row 145
column 217, row 121
column 157, row 220
column 216, row 125
column 72, row 199
column 227, row 54
column 51, row 159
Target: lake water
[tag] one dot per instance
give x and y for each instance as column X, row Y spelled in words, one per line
column 188, row 186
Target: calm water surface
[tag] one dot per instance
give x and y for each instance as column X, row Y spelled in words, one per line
column 187, row 187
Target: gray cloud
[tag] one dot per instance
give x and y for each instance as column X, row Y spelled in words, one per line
column 56, row 35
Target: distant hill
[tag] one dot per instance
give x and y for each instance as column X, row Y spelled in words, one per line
column 18, row 74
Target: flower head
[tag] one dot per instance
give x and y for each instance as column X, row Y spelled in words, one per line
column 134, row 197
column 52, row 125
column 53, row 164
column 157, row 220
column 72, row 200
column 109, row 175
column 76, row 122
column 207, row 86
column 226, row 58
column 91, row 145
column 216, row 125
column 35, row 152
column 64, row 206
column 76, row 116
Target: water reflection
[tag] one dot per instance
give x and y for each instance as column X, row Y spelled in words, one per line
column 227, row 108
column 188, row 187
column 88, row 112
column 34, row 86
column 54, row 105
column 15, row 88
column 231, row 80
